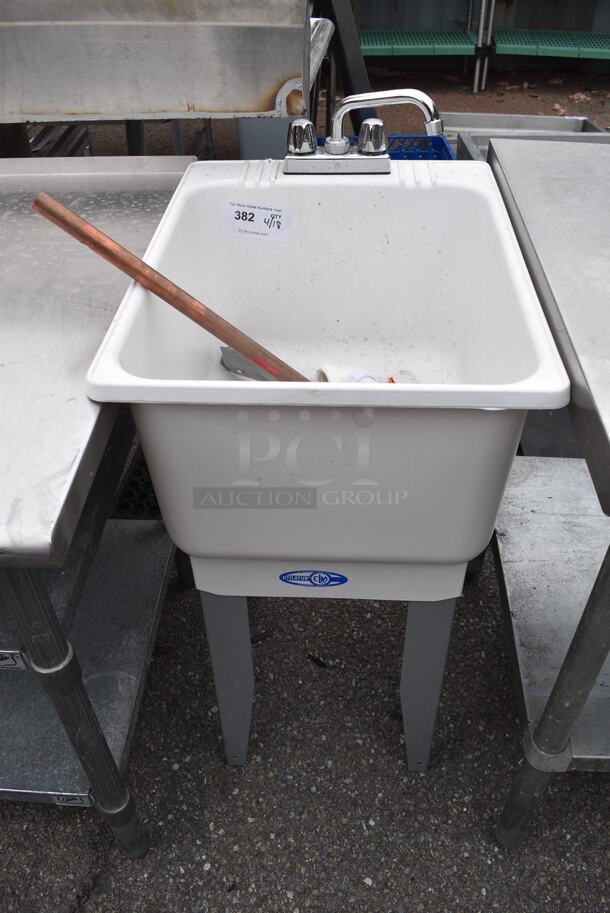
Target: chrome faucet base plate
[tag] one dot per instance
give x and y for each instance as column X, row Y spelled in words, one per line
column 353, row 162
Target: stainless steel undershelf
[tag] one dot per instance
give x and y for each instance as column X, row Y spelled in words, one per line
column 551, row 539
column 113, row 635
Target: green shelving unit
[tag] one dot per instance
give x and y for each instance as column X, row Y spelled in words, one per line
column 521, row 42
column 377, row 44
column 594, row 45
column 558, row 44
column 417, row 44
column 546, row 43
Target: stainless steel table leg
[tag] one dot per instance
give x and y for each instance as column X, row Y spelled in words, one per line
column 228, row 631
column 177, row 137
column 583, row 663
column 136, row 137
column 475, row 566
column 427, row 638
column 51, row 658
column 184, row 569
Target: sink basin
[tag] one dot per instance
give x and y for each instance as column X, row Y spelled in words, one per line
column 380, row 490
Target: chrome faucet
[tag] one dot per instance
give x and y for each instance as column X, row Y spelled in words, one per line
column 338, row 144
column 371, row 156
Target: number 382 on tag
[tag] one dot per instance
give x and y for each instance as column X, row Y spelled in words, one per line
column 257, row 221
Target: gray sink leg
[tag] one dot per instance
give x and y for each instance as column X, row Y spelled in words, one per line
column 427, row 637
column 228, row 630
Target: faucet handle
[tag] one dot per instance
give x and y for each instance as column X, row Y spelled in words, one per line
column 301, row 137
column 372, row 139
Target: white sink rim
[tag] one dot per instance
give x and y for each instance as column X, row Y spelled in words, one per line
column 547, row 387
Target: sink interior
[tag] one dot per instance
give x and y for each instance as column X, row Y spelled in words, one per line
column 400, row 276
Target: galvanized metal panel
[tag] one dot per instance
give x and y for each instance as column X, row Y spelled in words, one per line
column 451, row 14
column 65, row 60
column 557, row 14
column 443, row 14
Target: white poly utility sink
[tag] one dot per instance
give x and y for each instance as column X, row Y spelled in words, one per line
column 416, row 275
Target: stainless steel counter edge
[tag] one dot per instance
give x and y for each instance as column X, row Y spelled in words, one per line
column 112, row 172
column 52, row 553
column 582, row 406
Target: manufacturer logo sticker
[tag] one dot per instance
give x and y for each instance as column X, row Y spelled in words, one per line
column 313, row 578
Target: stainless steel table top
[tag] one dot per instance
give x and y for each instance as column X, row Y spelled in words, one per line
column 56, row 301
column 558, row 197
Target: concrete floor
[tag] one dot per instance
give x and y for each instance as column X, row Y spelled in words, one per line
column 325, row 816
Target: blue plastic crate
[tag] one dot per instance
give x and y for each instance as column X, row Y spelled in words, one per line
column 430, row 148
column 427, row 148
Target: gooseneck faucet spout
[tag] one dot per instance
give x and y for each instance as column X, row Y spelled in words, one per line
column 336, row 142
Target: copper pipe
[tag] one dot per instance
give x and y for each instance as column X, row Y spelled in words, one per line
column 150, row 279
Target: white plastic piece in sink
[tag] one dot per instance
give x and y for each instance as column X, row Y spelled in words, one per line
column 418, row 269
column 345, row 374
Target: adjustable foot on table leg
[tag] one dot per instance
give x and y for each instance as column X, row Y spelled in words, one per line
column 127, row 828
column 528, row 786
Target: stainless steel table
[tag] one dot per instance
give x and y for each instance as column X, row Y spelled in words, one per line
column 56, row 302
column 469, row 133
column 558, row 198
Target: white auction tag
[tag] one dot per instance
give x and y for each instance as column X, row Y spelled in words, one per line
column 256, row 220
